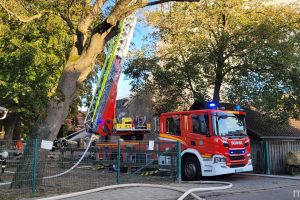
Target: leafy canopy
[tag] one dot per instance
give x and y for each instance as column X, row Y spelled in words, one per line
column 222, row 49
column 31, row 59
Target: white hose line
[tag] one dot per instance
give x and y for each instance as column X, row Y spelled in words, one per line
column 74, row 166
column 227, row 185
column 185, row 192
column 111, row 187
column 65, row 172
column 5, row 183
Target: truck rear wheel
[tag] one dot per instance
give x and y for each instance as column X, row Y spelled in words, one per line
column 191, row 170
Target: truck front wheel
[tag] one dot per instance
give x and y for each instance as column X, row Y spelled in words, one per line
column 191, row 170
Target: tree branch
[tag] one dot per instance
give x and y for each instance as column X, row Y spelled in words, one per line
column 85, row 23
column 87, row 19
column 196, row 94
column 164, row 1
column 68, row 21
column 25, row 20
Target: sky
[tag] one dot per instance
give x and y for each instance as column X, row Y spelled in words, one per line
column 138, row 40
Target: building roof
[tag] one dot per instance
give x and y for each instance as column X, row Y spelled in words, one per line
column 259, row 128
column 266, row 130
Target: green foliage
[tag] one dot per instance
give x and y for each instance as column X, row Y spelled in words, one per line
column 32, row 56
column 36, row 38
column 244, row 51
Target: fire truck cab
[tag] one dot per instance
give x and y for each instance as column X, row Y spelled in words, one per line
column 213, row 141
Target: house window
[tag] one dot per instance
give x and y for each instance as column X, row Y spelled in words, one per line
column 200, row 124
column 173, row 125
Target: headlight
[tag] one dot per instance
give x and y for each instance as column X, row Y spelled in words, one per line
column 249, row 159
column 219, row 159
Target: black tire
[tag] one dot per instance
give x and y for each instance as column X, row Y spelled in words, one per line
column 2, row 170
column 191, row 169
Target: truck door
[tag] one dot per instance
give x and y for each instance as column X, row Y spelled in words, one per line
column 198, row 136
column 173, row 128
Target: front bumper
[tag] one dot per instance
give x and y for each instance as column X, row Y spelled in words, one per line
column 220, row 168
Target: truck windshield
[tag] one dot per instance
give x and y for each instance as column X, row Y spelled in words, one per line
column 229, row 124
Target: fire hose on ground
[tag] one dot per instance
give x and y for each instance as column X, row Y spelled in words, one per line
column 183, row 196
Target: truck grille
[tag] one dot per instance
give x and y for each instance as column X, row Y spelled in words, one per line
column 236, row 157
column 237, row 165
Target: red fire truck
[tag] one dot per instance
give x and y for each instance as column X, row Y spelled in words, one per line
column 213, row 142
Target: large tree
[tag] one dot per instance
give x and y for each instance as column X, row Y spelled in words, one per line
column 206, row 54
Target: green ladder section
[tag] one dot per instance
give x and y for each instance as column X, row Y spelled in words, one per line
column 117, row 46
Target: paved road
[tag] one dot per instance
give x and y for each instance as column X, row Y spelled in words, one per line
column 285, row 193
column 244, row 187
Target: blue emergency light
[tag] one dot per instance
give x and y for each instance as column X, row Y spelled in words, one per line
column 237, row 107
column 100, row 122
column 233, row 152
column 212, row 105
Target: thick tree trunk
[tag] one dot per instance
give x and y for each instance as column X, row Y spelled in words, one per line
column 10, row 123
column 218, row 83
column 49, row 122
column 217, row 89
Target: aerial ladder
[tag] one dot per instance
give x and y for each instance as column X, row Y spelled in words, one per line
column 101, row 114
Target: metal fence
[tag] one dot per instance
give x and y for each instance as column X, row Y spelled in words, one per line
column 37, row 172
column 269, row 156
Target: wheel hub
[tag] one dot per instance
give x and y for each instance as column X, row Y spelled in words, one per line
column 190, row 169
